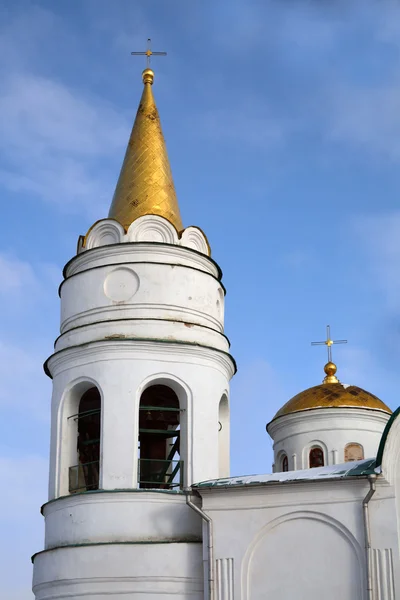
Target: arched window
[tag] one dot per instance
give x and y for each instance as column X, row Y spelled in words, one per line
column 223, row 437
column 285, row 463
column 316, row 457
column 353, row 451
column 85, row 475
column 159, row 439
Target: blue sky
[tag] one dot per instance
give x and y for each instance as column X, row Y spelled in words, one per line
column 282, row 122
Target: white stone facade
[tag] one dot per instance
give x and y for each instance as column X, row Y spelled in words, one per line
column 331, row 429
column 304, row 540
column 137, row 310
column 146, row 308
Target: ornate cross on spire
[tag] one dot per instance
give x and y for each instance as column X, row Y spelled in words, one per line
column 149, row 53
column 329, row 343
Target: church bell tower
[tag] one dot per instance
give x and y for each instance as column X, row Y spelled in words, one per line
column 140, row 404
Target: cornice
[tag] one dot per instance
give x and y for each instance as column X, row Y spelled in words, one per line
column 140, row 349
column 319, row 414
column 139, row 251
column 139, row 262
column 133, row 320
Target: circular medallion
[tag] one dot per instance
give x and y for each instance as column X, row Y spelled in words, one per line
column 121, row 284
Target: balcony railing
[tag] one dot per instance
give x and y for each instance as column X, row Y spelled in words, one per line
column 84, row 477
column 160, row 474
column 152, row 474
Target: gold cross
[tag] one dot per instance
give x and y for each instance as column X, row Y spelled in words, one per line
column 149, row 53
column 329, row 343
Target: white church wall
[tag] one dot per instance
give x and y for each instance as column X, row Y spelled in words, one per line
column 150, row 570
column 389, row 461
column 331, row 569
column 196, row 373
column 301, row 540
column 135, row 515
column 332, row 429
column 137, row 290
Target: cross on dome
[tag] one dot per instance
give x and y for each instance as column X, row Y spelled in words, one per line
column 329, row 342
column 330, row 367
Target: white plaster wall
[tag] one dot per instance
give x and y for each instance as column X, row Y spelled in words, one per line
column 137, row 515
column 137, row 309
column 329, row 568
column 331, row 429
column 300, row 540
column 122, row 369
column 100, row 572
column 143, row 291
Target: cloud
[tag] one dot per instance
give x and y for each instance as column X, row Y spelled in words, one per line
column 24, row 388
column 57, row 142
column 15, row 275
column 24, row 490
column 24, row 284
column 25, row 287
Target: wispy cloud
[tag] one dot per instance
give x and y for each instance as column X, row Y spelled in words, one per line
column 56, row 142
column 24, row 485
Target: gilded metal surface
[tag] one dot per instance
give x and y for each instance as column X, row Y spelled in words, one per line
column 330, row 396
column 145, row 185
column 330, row 370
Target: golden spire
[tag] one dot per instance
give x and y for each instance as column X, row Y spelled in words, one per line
column 145, row 185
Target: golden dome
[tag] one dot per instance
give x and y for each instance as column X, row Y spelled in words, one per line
column 145, row 185
column 332, row 394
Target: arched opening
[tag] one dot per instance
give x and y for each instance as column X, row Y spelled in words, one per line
column 223, row 437
column 316, row 457
column 159, row 450
column 285, row 463
column 84, row 476
column 353, row 451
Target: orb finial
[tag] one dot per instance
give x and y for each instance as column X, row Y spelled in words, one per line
column 330, row 370
column 148, row 76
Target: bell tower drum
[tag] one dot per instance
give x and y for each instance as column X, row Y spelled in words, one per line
column 140, row 404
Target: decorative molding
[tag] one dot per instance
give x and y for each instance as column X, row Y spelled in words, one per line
column 104, row 233
column 193, row 237
column 291, row 516
column 152, row 228
column 382, row 574
column 224, row 578
column 141, row 252
column 141, row 310
column 140, row 349
column 121, row 284
column 319, row 414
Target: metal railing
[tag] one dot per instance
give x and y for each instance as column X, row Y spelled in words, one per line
column 84, row 477
column 160, row 474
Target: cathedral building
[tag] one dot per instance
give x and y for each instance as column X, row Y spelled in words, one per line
column 141, row 503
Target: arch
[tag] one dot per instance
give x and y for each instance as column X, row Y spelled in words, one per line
column 336, row 525
column 306, row 452
column 353, row 451
column 67, row 432
column 223, row 436
column 184, row 399
column 280, row 457
column 285, row 463
column 316, row 457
